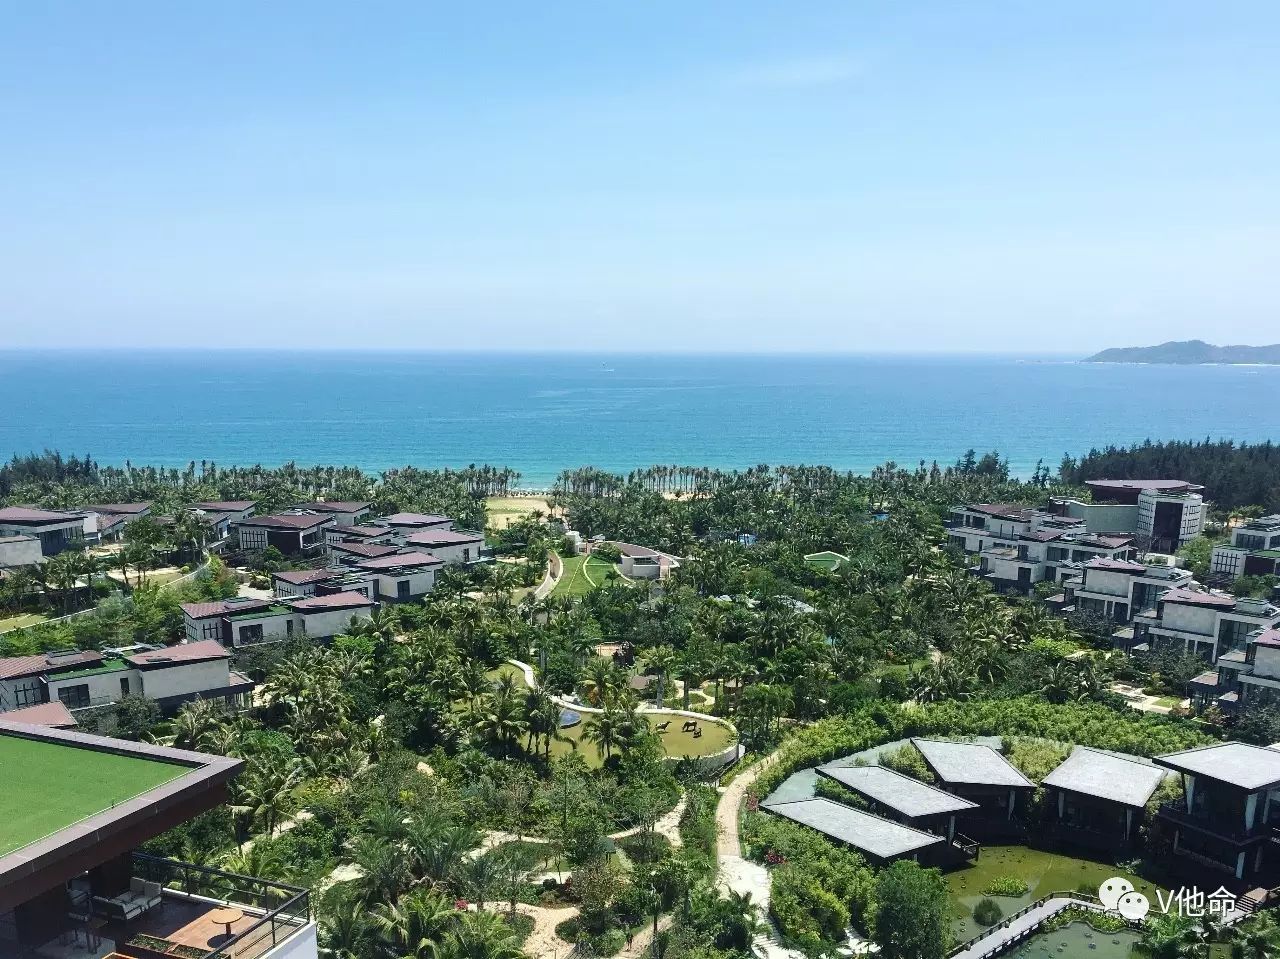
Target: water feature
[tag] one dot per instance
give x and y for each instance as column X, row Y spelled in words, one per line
column 1075, row 940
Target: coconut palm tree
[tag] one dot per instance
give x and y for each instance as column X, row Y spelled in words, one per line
column 602, row 729
column 480, row 935
column 414, row 926
column 346, row 929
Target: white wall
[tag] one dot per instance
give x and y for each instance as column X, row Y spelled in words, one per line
column 420, row 583
column 103, row 687
column 329, row 623
column 1107, row 581
column 453, row 553
column 182, row 679
column 1190, row 619
column 301, row 945
column 21, row 552
column 274, row 628
column 1266, row 662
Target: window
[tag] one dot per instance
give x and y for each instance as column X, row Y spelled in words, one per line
column 1247, row 541
column 211, row 629
column 124, row 685
column 27, row 694
column 74, row 697
column 251, row 634
column 466, row 554
column 402, row 589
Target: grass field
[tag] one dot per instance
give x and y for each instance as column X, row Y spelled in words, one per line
column 582, row 575
column 61, row 785
column 715, row 736
column 26, row 619
column 504, row 510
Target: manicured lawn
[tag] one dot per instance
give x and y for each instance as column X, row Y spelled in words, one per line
column 26, row 619
column 502, row 511
column 55, row 786
column 582, row 575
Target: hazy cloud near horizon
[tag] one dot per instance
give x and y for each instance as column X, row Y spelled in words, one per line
column 672, row 177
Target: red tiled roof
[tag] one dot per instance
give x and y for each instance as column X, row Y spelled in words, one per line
column 182, row 653
column 1118, row 565
column 287, row 521
column 336, row 506
column 1268, row 637
column 29, row 514
column 362, row 530
column 222, row 607
column 442, row 537
column 15, row 666
column 300, row 576
column 1198, row 597
column 415, row 519
column 45, row 714
column 1165, row 485
column 347, row 600
column 416, row 558
column 365, row 549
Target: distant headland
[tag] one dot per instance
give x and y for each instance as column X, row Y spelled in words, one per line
column 1189, row 352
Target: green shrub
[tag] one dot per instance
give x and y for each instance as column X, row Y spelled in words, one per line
column 908, row 761
column 987, row 912
column 1006, row 886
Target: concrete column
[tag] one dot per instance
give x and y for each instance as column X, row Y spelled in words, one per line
column 1128, row 822
column 1062, row 804
column 1240, row 865
column 951, row 828
column 1189, row 785
column 1013, row 797
column 1250, row 810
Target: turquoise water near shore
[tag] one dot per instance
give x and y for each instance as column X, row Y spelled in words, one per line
column 540, row 413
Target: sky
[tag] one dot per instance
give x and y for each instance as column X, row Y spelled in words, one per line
column 818, row 176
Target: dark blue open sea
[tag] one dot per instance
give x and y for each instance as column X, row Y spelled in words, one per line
column 541, row 413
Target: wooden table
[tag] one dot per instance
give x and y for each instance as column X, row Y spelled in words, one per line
column 225, row 916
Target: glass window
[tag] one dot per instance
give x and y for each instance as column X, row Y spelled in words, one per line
column 74, row 697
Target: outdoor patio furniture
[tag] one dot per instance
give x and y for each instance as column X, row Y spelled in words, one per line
column 141, row 898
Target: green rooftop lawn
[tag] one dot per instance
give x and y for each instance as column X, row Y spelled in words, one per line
column 52, row 786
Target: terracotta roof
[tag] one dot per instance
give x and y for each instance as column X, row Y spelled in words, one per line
column 416, row 519
column 15, row 666
column 365, row 549
column 29, row 514
column 287, row 521
column 347, row 600
column 1268, row 637
column 226, row 505
column 1117, row 565
column 336, row 506
column 1044, row 535
column 53, row 714
column 1007, row 510
column 1158, row 485
column 298, row 577
column 182, row 653
column 361, row 530
column 442, row 537
column 416, row 558
column 1198, row 597
column 222, row 607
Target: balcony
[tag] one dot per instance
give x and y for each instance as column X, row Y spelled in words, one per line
column 202, row 913
column 1216, row 825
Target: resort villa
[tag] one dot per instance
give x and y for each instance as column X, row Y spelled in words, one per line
column 1098, row 799
column 305, row 583
column 1203, row 622
column 297, row 534
column 448, row 545
column 1254, row 550
column 343, row 513
column 169, row 675
column 1225, row 822
column 640, row 562
column 401, row 577
column 1244, row 678
column 363, row 533
column 903, row 799
column 981, row 775
column 70, row 866
column 1118, row 589
column 405, row 524
column 237, row 509
column 881, row 840
column 242, row 621
column 55, row 531
column 1160, row 514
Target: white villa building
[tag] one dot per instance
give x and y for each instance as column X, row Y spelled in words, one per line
column 1254, row 550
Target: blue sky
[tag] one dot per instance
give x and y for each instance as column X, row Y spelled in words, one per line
column 646, row 176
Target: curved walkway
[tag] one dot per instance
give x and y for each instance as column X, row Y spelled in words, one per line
column 1021, row 926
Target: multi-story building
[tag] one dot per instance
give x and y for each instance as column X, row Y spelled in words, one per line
column 240, row 622
column 86, row 679
column 1204, row 622
column 1254, row 550
column 55, row 531
column 1245, row 678
column 402, row 577
column 344, row 513
column 1117, row 589
column 1160, row 514
column 448, row 545
column 75, row 871
column 296, row 534
column 1225, row 821
column 305, row 583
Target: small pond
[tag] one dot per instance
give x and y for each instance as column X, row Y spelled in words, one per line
column 1075, row 940
column 569, row 717
column 1043, row 872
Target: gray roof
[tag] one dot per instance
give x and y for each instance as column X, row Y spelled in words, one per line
column 908, row 796
column 1239, row 764
column 877, row 837
column 969, row 764
column 1092, row 772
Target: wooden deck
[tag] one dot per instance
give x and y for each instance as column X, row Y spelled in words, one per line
column 179, row 921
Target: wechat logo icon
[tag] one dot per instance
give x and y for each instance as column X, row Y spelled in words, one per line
column 1118, row 894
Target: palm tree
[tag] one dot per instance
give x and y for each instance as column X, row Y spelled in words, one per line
column 601, row 682
column 194, row 722
column 384, row 871
column 414, row 926
column 602, row 729
column 480, row 935
column 1257, row 938
column 501, row 721
column 346, row 930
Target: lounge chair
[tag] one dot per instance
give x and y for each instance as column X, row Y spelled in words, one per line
column 141, row 897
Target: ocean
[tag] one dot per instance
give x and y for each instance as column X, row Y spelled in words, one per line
column 541, row 413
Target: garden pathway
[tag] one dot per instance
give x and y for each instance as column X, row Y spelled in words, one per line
column 1020, row 928
column 543, row 943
